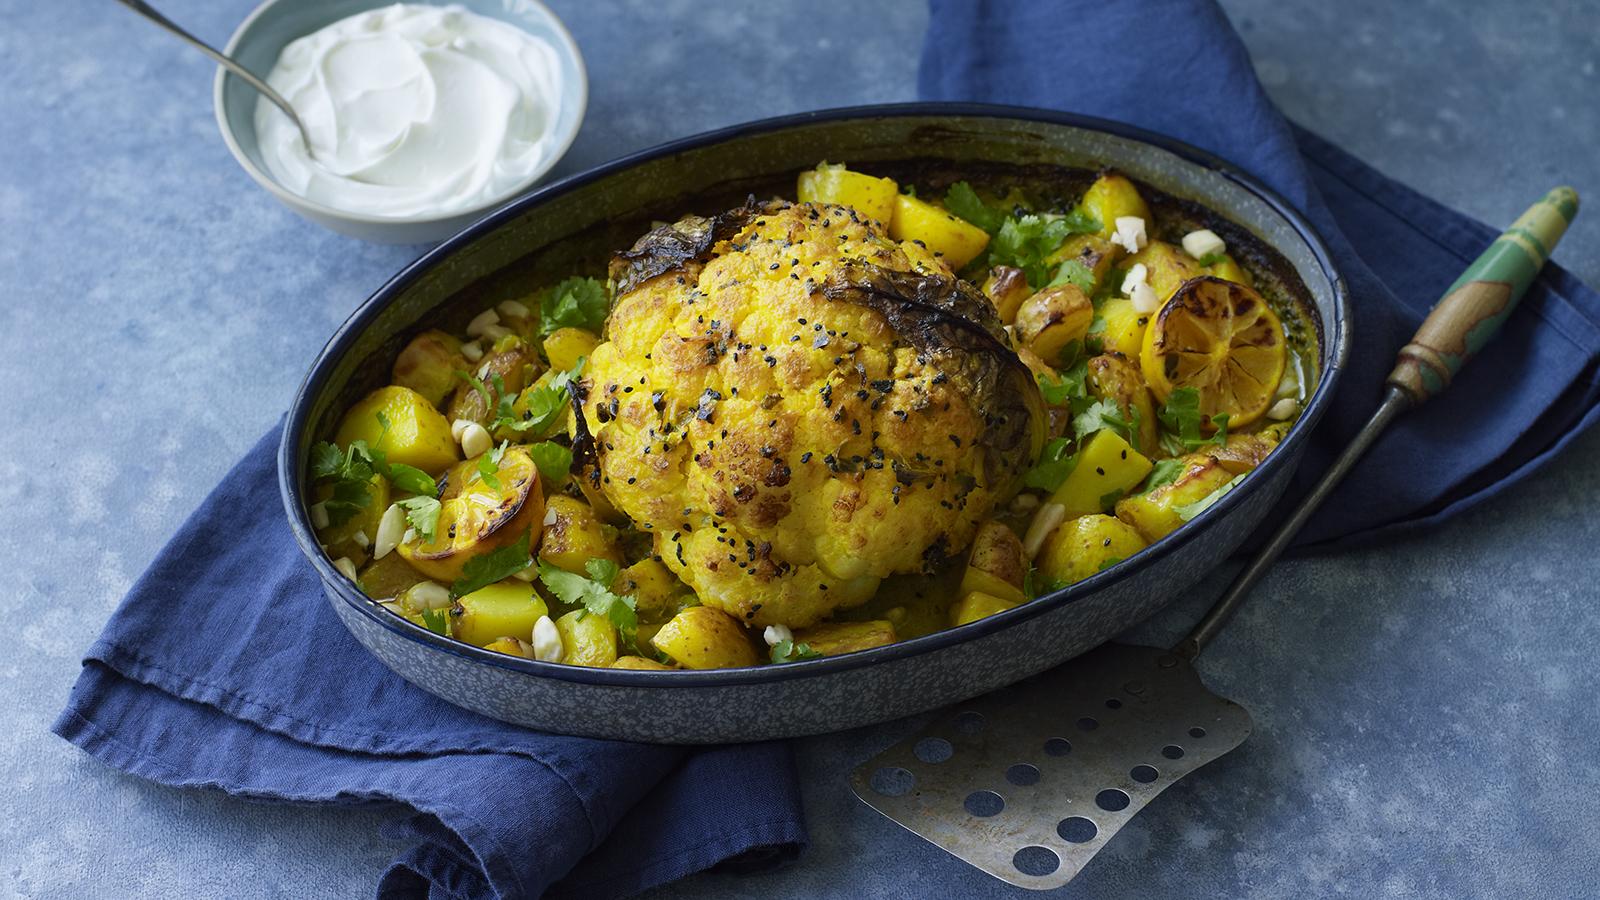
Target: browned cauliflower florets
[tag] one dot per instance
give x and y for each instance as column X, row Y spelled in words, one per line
column 797, row 406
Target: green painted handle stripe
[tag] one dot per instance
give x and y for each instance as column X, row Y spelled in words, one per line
column 1514, row 259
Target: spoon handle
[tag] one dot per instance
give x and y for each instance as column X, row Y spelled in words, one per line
column 1459, row 325
column 227, row 62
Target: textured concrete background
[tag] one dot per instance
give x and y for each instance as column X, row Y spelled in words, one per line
column 1424, row 711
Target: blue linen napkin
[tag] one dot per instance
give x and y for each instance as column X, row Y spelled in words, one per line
column 1176, row 67
column 225, row 668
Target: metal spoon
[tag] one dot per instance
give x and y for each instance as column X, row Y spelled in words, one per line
column 227, row 62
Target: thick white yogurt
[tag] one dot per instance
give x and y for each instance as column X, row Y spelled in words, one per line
column 413, row 111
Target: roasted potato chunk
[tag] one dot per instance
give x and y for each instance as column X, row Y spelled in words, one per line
column 1125, row 327
column 657, row 593
column 417, row 435
column 510, row 646
column 573, row 535
column 565, row 346
column 1230, row 270
column 506, row 609
column 703, row 637
column 639, row 662
column 513, row 362
column 869, row 196
column 1106, row 465
column 1111, row 197
column 1082, row 546
column 1095, row 253
column 838, row 638
column 1156, row 514
column 1053, row 318
column 975, row 605
column 428, row 365
column 996, row 565
column 590, row 640
column 1007, row 287
column 1168, row 267
column 953, row 239
column 388, row 577
column 1113, row 376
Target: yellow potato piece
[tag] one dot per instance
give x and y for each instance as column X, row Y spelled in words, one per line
column 1155, row 514
column 590, row 640
column 996, row 565
column 656, row 592
column 955, row 240
column 1053, row 318
column 1083, row 546
column 704, row 637
column 506, row 609
column 418, row 434
column 976, row 605
column 1111, row 197
column 565, row 346
column 340, row 539
column 838, row 638
column 1095, row 253
column 639, row 662
column 428, row 365
column 1006, row 287
column 1124, row 327
column 573, row 535
column 1167, row 267
column 511, row 647
column 869, row 196
column 1106, row 464
column 1230, row 270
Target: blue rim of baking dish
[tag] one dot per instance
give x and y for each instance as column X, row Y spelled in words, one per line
column 291, row 464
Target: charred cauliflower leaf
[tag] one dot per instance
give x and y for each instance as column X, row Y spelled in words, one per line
column 796, row 406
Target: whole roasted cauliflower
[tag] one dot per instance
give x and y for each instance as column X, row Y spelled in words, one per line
column 796, row 406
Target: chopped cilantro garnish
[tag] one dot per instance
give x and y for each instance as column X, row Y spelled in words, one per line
column 965, row 203
column 351, row 472
column 1181, row 415
column 1075, row 272
column 544, row 405
column 593, row 594
column 1102, row 415
column 1188, row 511
column 436, row 621
column 792, row 651
column 485, row 570
column 423, row 514
column 1054, row 465
column 477, row 384
column 489, row 466
column 574, row 303
column 554, row 461
column 1079, row 221
column 1024, row 241
column 1165, row 472
column 1212, row 259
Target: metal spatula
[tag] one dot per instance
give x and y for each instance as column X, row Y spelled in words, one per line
column 1030, row 782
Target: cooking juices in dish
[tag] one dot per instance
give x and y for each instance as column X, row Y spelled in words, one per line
column 412, row 111
column 799, row 429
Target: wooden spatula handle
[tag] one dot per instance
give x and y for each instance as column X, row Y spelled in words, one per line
column 1474, row 308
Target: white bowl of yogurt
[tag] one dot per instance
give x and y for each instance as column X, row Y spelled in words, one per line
column 422, row 116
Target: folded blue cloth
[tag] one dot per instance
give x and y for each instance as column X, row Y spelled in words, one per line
column 1177, row 68
column 225, row 668
column 207, row 675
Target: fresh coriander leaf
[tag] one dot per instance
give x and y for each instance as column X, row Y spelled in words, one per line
column 574, row 303
column 544, row 404
column 1111, row 497
column 554, row 461
column 1075, row 272
column 1024, row 241
column 1211, row 259
column 1220, row 423
column 1100, row 416
column 1079, row 221
column 593, row 595
column 1165, row 472
column 910, row 190
column 489, row 465
column 1188, row 511
column 409, row 478
column 965, row 203
column 792, row 651
column 1181, row 416
column 1054, row 465
column 436, row 621
column 485, row 570
column 1028, row 583
column 1108, row 562
column 423, row 514
column 348, row 498
column 326, row 461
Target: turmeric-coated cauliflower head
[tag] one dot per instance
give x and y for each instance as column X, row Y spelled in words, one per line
column 797, row 407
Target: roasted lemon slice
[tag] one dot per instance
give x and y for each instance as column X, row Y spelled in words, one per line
column 480, row 514
column 1221, row 339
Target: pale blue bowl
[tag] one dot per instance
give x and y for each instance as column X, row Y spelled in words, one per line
column 259, row 39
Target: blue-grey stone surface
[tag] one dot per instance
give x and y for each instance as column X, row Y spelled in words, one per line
column 1426, row 712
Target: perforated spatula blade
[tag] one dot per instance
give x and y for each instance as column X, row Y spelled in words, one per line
column 1030, row 782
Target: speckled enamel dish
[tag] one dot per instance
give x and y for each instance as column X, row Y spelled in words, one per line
column 574, row 225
